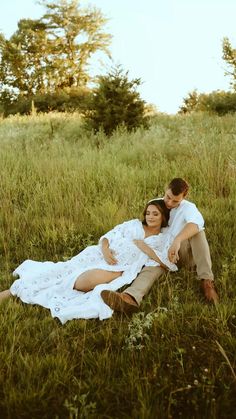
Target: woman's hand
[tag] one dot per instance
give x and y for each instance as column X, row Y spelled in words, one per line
column 109, row 256
column 149, row 252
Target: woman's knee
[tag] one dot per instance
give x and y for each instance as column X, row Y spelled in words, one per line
column 88, row 280
column 83, row 282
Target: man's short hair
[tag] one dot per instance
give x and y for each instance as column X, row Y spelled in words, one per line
column 178, row 186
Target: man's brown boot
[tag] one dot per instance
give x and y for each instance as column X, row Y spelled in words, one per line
column 120, row 301
column 209, row 291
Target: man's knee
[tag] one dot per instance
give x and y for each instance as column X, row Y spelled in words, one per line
column 151, row 272
column 144, row 282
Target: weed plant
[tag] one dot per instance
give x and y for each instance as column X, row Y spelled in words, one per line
column 61, row 188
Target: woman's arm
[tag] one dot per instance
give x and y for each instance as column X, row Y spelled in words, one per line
column 108, row 254
column 149, row 252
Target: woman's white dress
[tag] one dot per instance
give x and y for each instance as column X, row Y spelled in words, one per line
column 51, row 284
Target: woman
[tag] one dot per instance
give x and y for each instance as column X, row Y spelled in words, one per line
column 72, row 289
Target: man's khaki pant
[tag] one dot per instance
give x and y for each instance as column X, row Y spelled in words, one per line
column 193, row 252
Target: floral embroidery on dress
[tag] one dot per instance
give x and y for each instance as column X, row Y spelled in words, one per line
column 51, row 285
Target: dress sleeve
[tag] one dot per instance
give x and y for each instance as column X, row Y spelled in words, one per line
column 120, row 231
column 161, row 247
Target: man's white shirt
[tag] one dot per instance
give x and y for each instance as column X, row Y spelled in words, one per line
column 186, row 212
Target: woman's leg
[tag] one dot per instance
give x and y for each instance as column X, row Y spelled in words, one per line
column 4, row 295
column 89, row 279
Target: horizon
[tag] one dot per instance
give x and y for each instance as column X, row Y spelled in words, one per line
column 187, row 36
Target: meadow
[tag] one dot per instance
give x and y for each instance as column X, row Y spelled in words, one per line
column 61, row 189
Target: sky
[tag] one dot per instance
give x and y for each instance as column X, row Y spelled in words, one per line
column 173, row 46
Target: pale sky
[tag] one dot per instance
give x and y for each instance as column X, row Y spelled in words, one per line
column 174, row 46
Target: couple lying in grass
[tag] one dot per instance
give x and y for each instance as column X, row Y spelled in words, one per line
column 136, row 252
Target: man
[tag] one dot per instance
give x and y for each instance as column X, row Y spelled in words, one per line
column 189, row 247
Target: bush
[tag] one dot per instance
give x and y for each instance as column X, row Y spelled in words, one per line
column 217, row 102
column 116, row 102
column 63, row 100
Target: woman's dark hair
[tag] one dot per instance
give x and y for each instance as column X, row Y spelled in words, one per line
column 160, row 204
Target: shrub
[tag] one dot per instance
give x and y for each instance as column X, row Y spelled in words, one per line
column 63, row 100
column 116, row 102
column 217, row 102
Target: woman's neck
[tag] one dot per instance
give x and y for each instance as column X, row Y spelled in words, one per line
column 150, row 231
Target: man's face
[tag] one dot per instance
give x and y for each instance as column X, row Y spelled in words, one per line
column 171, row 200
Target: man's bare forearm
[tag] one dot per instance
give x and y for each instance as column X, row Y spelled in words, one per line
column 189, row 230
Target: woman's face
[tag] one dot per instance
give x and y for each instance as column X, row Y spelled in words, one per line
column 153, row 216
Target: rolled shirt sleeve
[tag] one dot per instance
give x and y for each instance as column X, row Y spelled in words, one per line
column 193, row 215
column 185, row 213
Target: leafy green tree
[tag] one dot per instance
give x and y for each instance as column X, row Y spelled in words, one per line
column 53, row 52
column 217, row 102
column 116, row 102
column 24, row 57
column 190, row 102
column 229, row 56
column 62, row 100
column 74, row 35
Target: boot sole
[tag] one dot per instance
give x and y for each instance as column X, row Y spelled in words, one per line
column 115, row 301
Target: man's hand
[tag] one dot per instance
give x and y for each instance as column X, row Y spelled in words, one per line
column 109, row 256
column 173, row 252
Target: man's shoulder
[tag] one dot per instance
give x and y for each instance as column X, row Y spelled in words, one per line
column 187, row 204
column 185, row 207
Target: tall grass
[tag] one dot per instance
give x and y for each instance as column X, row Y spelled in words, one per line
column 61, row 188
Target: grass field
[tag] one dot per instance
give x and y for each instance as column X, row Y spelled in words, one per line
column 61, row 188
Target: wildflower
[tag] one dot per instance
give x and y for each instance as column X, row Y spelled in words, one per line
column 195, row 382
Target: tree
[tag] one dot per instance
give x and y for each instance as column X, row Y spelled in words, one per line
column 229, row 55
column 190, row 102
column 52, row 52
column 74, row 35
column 24, row 57
column 217, row 102
column 116, row 102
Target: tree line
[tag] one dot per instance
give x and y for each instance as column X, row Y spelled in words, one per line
column 45, row 65
column 217, row 102
column 52, row 53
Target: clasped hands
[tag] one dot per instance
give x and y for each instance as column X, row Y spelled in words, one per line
column 173, row 252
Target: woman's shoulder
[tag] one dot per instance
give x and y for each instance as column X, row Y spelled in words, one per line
column 134, row 225
column 134, row 222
